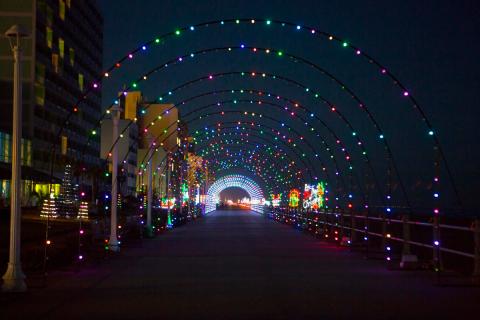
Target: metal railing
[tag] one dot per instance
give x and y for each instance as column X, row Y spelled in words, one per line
column 348, row 221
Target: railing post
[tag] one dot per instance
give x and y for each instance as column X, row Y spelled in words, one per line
column 384, row 231
column 113, row 243
column 366, row 236
column 325, row 233
column 342, row 222
column 409, row 260
column 406, row 235
column 476, row 269
column 353, row 225
column 437, row 263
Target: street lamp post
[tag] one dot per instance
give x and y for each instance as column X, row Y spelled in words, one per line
column 14, row 279
column 113, row 243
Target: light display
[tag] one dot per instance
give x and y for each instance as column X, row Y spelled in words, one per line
column 166, row 204
column 67, row 198
column 268, row 24
column 197, row 195
column 276, row 199
column 83, row 210
column 314, row 196
column 184, row 193
column 293, row 198
column 239, row 181
column 49, row 207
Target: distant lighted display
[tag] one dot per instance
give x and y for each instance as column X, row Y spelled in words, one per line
column 314, row 196
column 276, row 199
column 170, row 203
column 234, row 180
column 293, row 198
column 197, row 195
column 184, row 193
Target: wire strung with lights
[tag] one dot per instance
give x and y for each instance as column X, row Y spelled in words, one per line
column 313, row 31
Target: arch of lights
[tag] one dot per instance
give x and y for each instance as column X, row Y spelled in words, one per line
column 239, row 181
column 314, row 32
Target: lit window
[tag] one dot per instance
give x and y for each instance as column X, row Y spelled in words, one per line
column 61, row 9
column 61, row 47
column 26, row 152
column 80, row 81
column 49, row 37
column 40, row 94
column 64, row 144
column 72, row 56
column 55, row 63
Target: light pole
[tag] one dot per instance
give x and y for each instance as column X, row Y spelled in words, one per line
column 149, row 190
column 113, row 243
column 14, row 279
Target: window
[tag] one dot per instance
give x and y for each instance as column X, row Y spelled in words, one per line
column 49, row 16
column 49, row 37
column 80, row 81
column 4, row 147
column 39, row 94
column 61, row 9
column 72, row 56
column 64, row 144
column 26, row 152
column 55, row 63
column 42, row 7
column 61, row 47
column 39, row 73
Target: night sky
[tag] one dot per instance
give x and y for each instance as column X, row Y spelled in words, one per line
column 430, row 46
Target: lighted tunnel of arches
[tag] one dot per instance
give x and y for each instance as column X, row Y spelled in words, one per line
column 239, row 181
column 380, row 136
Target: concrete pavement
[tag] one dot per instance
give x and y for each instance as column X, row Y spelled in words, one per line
column 239, row 265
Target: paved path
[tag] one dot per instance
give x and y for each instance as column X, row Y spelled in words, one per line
column 238, row 265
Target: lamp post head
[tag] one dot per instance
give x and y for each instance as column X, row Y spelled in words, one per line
column 14, row 34
column 17, row 31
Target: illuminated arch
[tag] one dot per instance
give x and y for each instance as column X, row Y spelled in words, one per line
column 239, row 181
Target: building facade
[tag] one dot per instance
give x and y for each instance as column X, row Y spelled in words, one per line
column 61, row 59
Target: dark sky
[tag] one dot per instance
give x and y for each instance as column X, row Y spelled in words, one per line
column 432, row 47
column 233, row 194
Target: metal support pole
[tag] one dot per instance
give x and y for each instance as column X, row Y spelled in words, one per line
column 167, row 191
column 436, row 244
column 384, row 232
column 149, row 197
column 353, row 223
column 113, row 243
column 14, row 279
column 342, row 226
column 406, row 235
column 366, row 235
column 476, row 269
column 408, row 260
